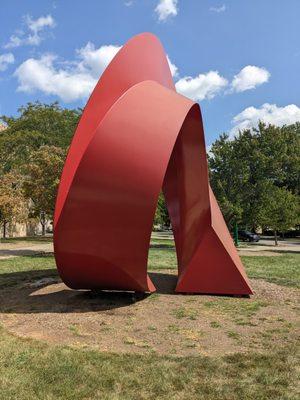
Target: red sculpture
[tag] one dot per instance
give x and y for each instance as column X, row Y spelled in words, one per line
column 136, row 136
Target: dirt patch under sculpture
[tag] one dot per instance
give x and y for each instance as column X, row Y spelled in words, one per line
column 164, row 322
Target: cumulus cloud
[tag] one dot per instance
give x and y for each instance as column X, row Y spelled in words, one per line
column 42, row 74
column 173, row 68
column 5, row 60
column 166, row 9
column 70, row 81
column 74, row 80
column 220, row 9
column 268, row 113
column 249, row 78
column 203, row 86
column 93, row 60
column 34, row 32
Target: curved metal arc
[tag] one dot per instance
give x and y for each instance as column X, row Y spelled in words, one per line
column 133, row 185
column 129, row 67
column 117, row 163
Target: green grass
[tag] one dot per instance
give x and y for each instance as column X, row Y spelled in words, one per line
column 215, row 324
column 241, row 311
column 233, row 335
column 283, row 269
column 24, row 269
column 32, row 370
column 162, row 243
column 235, row 306
column 27, row 263
column 183, row 312
column 75, row 330
column 162, row 258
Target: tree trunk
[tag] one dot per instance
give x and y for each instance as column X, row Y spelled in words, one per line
column 43, row 222
column 4, row 229
column 43, row 230
column 275, row 237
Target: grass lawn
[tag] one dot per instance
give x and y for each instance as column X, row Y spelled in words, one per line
column 33, row 369
column 283, row 269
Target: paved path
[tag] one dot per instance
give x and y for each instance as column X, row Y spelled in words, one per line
column 265, row 246
column 15, row 249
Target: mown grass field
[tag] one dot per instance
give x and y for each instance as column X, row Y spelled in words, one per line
column 36, row 369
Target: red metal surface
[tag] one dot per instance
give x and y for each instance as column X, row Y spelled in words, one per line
column 136, row 136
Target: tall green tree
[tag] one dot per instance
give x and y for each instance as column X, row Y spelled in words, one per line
column 161, row 213
column 13, row 204
column 33, row 147
column 41, row 179
column 241, row 169
column 36, row 125
column 281, row 209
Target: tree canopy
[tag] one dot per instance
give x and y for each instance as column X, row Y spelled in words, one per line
column 33, row 148
column 41, row 178
column 37, row 125
column 13, row 204
column 247, row 172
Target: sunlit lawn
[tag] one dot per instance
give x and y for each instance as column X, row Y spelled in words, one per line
column 30, row 369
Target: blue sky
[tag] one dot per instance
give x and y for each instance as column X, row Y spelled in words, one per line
column 239, row 59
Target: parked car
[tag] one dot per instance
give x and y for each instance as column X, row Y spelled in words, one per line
column 247, row 236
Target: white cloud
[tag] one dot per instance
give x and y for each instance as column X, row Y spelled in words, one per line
column 268, row 113
column 166, row 9
column 203, row 86
column 74, row 80
column 70, row 81
column 173, row 68
column 5, row 60
column 128, row 3
column 42, row 74
column 96, row 60
column 34, row 32
column 14, row 41
column 220, row 9
column 249, row 78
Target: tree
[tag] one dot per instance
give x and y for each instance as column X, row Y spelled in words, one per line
column 13, row 205
column 37, row 125
column 225, row 168
column 281, row 209
column 241, row 169
column 161, row 213
column 34, row 146
column 41, row 181
column 15, row 149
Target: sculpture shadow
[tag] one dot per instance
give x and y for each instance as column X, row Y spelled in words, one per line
column 42, row 291
column 164, row 283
